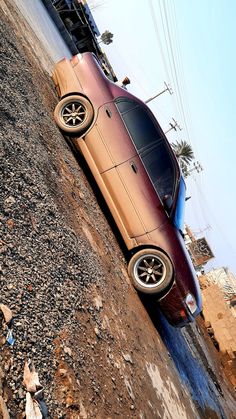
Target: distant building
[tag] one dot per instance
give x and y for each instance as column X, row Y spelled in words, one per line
column 225, row 280
column 90, row 15
column 78, row 28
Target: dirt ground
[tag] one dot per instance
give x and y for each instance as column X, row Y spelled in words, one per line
column 63, row 273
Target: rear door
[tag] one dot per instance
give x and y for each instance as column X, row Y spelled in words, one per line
column 135, row 196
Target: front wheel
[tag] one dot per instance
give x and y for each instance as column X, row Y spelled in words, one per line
column 74, row 114
column 151, row 271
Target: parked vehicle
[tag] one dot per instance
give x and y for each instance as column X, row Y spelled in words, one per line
column 139, row 177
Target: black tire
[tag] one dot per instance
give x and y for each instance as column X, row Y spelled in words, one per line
column 74, row 114
column 143, row 275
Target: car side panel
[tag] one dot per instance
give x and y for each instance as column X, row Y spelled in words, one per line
column 83, row 75
column 122, row 200
column 93, row 81
column 115, row 135
column 141, row 193
column 65, row 78
column 129, row 186
column 98, row 149
column 81, row 145
column 108, row 140
column 132, row 192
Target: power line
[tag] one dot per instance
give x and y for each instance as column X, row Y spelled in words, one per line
column 179, row 58
column 174, row 66
column 153, row 16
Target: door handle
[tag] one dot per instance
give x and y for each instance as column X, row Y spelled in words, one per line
column 134, row 167
column 108, row 112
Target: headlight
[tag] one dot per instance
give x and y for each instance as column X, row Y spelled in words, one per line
column 191, row 303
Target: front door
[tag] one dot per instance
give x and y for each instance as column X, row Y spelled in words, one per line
column 108, row 141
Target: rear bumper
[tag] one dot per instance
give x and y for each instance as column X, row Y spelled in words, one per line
column 175, row 309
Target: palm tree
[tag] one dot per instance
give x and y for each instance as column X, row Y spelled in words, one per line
column 184, row 154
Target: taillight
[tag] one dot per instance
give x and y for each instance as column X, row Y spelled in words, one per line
column 191, row 303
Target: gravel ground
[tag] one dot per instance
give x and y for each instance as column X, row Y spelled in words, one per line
column 62, row 271
column 45, row 269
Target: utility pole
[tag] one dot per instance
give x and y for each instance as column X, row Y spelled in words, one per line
column 201, row 231
column 166, row 89
column 173, row 125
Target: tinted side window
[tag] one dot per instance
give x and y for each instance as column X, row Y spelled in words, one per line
column 160, row 167
column 125, row 105
column 139, row 123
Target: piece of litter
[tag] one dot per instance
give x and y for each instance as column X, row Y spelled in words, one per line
column 31, row 379
column 127, row 358
column 10, row 338
column 42, row 405
column 7, row 313
column 32, row 409
column 35, row 405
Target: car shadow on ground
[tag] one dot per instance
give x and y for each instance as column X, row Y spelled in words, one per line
column 98, row 195
column 193, row 373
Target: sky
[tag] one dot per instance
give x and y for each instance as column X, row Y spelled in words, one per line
column 189, row 44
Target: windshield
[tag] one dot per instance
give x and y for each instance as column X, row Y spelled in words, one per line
column 178, row 217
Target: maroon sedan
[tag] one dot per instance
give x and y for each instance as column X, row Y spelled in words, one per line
column 139, row 177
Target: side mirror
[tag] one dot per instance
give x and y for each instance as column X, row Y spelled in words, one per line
column 167, row 202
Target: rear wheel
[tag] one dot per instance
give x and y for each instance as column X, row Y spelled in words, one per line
column 151, row 271
column 74, row 114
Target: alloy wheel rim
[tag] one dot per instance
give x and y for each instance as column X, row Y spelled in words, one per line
column 73, row 114
column 149, row 271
